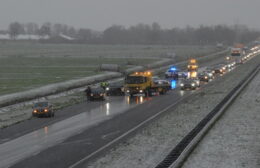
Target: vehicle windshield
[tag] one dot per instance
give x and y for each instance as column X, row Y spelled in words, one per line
column 41, row 104
column 135, row 79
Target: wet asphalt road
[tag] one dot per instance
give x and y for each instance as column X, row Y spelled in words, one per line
column 77, row 131
column 85, row 141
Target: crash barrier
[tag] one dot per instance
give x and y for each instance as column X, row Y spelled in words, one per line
column 182, row 150
column 110, row 67
column 159, row 63
column 133, row 69
column 50, row 89
column 184, row 63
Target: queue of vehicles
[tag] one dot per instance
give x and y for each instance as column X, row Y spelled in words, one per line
column 144, row 83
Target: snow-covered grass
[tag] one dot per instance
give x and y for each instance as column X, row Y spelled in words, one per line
column 234, row 140
column 23, row 49
column 151, row 144
column 24, row 73
column 25, row 65
column 19, row 112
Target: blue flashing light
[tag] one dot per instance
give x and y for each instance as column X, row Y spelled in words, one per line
column 173, row 84
column 173, row 69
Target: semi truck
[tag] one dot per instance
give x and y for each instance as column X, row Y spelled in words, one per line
column 143, row 83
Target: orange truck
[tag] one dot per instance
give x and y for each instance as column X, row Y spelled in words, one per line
column 192, row 68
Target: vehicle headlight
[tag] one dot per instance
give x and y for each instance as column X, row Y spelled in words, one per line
column 46, row 110
column 210, row 74
column 101, row 94
column 182, row 84
column 128, row 91
column 206, row 77
column 193, row 84
column 91, row 94
column 141, row 91
column 107, row 89
column 35, row 111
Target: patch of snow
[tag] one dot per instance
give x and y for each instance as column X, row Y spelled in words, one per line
column 234, row 141
column 150, row 146
column 66, row 37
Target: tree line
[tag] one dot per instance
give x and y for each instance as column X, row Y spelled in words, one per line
column 141, row 34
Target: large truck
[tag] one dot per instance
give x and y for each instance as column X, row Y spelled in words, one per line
column 192, row 68
column 144, row 83
column 237, row 53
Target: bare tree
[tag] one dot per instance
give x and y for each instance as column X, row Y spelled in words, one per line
column 15, row 29
column 45, row 29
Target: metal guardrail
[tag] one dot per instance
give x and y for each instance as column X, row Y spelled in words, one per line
column 181, row 151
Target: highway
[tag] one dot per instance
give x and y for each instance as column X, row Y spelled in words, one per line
column 79, row 131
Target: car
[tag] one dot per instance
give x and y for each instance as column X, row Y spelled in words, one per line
column 182, row 74
column 43, row 109
column 96, row 94
column 219, row 69
column 172, row 72
column 162, row 83
column 210, row 70
column 191, row 83
column 115, row 89
column 209, row 73
column 205, row 76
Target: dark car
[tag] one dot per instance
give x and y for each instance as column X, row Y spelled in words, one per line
column 96, row 94
column 219, row 69
column 190, row 84
column 115, row 89
column 43, row 109
column 204, row 76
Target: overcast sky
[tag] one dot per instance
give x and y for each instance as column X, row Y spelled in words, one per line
column 100, row 14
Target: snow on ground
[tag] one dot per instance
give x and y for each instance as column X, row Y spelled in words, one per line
column 22, row 111
column 151, row 144
column 235, row 140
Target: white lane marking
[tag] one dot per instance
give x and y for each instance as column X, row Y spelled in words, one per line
column 25, row 146
column 126, row 133
column 110, row 134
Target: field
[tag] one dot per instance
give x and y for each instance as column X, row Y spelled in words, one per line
column 27, row 65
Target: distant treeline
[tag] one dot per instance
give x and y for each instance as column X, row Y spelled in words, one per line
column 140, row 34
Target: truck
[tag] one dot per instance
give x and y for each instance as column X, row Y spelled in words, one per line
column 237, row 52
column 192, row 68
column 143, row 83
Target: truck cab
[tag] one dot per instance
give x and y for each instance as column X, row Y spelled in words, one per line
column 138, row 82
column 144, row 83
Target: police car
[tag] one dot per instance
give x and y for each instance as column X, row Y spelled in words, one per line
column 172, row 73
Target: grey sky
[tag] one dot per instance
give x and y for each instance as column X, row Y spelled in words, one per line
column 99, row 14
